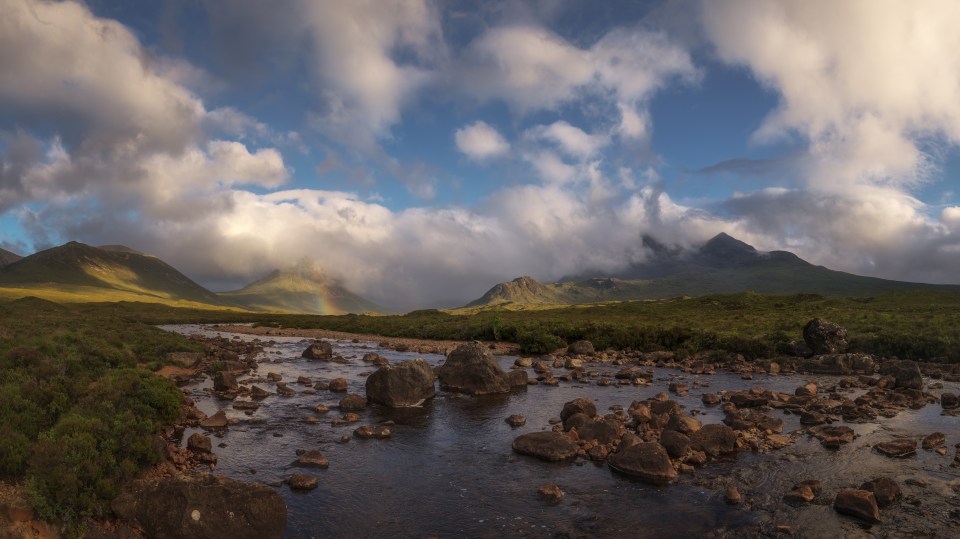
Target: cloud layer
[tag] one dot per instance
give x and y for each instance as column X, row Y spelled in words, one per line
column 107, row 141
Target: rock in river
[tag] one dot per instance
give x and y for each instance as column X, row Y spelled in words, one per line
column 549, row 446
column 319, row 350
column 647, row 461
column 199, row 443
column 715, row 440
column 906, row 373
column 584, row 348
column 898, row 448
column 833, row 436
column 352, row 403
column 858, row 503
column 407, row 383
column 885, row 490
column 580, row 405
column 302, row 481
column 472, row 369
column 312, row 459
column 205, row 506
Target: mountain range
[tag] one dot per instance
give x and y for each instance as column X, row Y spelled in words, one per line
column 75, row 272
column 722, row 265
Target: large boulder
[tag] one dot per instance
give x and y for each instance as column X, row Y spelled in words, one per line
column 647, row 461
column 715, row 440
column 581, row 348
column 206, row 506
column 825, row 337
column 319, row 350
column 906, row 373
column 549, row 445
column 581, row 405
column 885, row 490
column 471, row 368
column 408, row 383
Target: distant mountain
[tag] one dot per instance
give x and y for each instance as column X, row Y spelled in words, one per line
column 79, row 272
column 722, row 265
column 7, row 258
column 300, row 289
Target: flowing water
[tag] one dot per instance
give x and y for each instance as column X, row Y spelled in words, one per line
column 448, row 470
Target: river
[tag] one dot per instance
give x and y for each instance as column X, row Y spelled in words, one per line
column 448, row 469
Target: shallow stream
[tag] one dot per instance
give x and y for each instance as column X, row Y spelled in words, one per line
column 449, row 471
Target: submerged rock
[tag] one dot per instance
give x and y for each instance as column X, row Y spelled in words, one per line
column 550, row 493
column 312, row 459
column 516, row 420
column 549, row 446
column 833, row 436
column 646, row 461
column 205, row 506
column 408, row 383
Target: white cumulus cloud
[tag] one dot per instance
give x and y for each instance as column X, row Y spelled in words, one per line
column 479, row 141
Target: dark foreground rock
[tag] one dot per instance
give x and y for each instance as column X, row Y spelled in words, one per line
column 408, row 383
column 206, row 506
column 584, row 348
column 549, row 446
column 859, row 504
column 715, row 440
column 472, row 369
column 906, row 374
column 646, row 461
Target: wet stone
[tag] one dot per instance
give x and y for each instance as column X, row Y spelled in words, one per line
column 899, row 448
column 302, row 481
column 933, row 441
column 859, row 504
column 885, row 490
column 516, row 420
column 549, row 446
column 550, row 493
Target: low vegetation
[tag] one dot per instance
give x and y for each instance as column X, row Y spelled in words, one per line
column 79, row 410
column 919, row 325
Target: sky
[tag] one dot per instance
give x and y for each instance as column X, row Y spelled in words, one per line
column 423, row 151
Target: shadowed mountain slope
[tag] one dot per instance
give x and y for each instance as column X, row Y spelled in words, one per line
column 720, row 266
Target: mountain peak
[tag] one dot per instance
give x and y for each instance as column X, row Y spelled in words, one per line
column 725, row 245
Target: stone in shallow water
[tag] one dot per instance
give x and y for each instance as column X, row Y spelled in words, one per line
column 885, row 490
column 899, row 448
column 833, row 436
column 516, row 420
column 933, row 441
column 550, row 493
column 312, row 459
column 647, row 461
column 302, row 481
column 860, row 504
column 549, row 446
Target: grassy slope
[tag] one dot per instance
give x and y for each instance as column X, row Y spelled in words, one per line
column 294, row 291
column 79, row 273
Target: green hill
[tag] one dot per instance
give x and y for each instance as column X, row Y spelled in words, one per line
column 723, row 265
column 301, row 289
column 78, row 272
